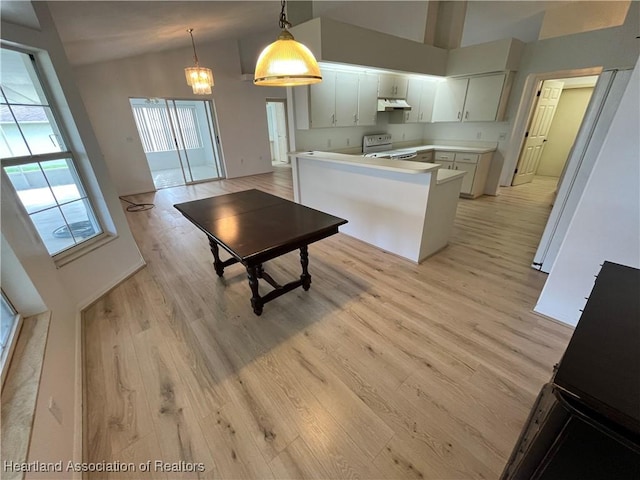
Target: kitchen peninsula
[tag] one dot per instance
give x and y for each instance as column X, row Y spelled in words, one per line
column 404, row 207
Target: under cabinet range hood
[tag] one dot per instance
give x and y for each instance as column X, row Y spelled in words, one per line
column 392, row 104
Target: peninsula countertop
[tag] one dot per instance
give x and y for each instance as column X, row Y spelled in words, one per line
column 452, row 148
column 403, row 166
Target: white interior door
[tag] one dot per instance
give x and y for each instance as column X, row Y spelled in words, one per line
column 544, row 110
column 277, row 125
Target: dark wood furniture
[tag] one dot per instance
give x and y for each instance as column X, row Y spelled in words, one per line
column 585, row 424
column 255, row 227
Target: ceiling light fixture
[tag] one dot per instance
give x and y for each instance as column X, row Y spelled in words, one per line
column 200, row 79
column 286, row 63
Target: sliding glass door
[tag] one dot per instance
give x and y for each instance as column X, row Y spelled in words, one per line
column 178, row 138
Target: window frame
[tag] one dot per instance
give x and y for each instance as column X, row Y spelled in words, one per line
column 79, row 247
column 12, row 339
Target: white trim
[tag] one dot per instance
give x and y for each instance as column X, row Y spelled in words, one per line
column 80, row 249
column 96, row 296
column 525, row 109
column 78, row 408
column 593, row 131
column 11, row 345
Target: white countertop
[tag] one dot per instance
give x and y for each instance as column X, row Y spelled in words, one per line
column 403, row 166
column 445, row 175
column 452, row 148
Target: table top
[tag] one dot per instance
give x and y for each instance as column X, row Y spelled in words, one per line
column 602, row 362
column 254, row 225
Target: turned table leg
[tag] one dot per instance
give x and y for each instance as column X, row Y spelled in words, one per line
column 217, row 264
column 304, row 261
column 256, row 301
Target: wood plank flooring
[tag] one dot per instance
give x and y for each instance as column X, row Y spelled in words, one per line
column 384, row 369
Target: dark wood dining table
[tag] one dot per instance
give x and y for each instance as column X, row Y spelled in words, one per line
column 254, row 227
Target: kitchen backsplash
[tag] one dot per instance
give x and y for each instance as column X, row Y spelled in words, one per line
column 349, row 139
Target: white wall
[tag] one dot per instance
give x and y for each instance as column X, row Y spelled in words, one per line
column 240, row 107
column 65, row 289
column 606, row 224
column 615, row 47
column 399, row 18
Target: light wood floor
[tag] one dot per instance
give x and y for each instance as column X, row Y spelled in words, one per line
column 384, row 369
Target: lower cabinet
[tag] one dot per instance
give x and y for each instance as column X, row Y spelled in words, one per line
column 475, row 164
column 424, row 157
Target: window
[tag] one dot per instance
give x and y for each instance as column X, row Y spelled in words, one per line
column 156, row 128
column 9, row 324
column 37, row 161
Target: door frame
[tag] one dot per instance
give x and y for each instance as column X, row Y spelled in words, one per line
column 525, row 111
column 604, row 103
column 214, row 135
column 284, row 102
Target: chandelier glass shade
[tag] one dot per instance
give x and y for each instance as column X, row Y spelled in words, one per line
column 286, row 63
column 200, row 79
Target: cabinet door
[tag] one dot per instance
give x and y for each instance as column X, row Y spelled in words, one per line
column 467, row 180
column 427, row 98
column 425, row 157
column 483, row 98
column 401, row 86
column 392, row 86
column 346, row 99
column 322, row 101
column 367, row 99
column 386, row 86
column 414, row 96
column 449, row 100
column 444, row 163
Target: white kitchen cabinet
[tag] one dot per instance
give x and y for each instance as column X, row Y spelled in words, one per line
column 367, row 99
column 449, row 101
column 342, row 99
column 475, row 164
column 392, row 86
column 346, row 99
column 322, row 101
column 420, row 96
column 473, row 99
column 426, row 156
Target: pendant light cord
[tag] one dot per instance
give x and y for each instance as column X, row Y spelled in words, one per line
column 284, row 23
column 193, row 44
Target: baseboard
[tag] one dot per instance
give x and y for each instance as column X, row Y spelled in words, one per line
column 95, row 297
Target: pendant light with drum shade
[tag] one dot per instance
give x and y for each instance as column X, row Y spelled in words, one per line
column 200, row 79
column 286, row 63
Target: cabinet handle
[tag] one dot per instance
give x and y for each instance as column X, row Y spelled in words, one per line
column 333, row 119
column 466, row 115
column 406, row 116
column 355, row 118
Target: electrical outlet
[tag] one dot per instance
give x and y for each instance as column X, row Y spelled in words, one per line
column 348, row 142
column 503, row 136
column 55, row 410
column 328, row 143
column 478, row 135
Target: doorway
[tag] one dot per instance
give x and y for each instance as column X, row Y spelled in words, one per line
column 179, row 140
column 556, row 117
column 277, row 125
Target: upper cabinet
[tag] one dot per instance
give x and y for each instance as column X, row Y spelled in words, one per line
column 392, row 86
column 473, row 99
column 420, row 96
column 367, row 99
column 342, row 99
